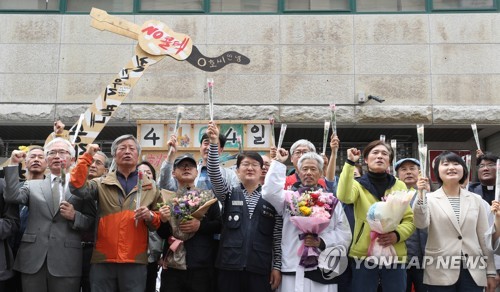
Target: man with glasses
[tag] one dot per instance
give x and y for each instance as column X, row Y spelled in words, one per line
column 50, row 255
column 201, row 248
column 298, row 149
column 202, row 180
column 487, row 175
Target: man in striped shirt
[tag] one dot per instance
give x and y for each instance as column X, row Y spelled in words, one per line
column 245, row 251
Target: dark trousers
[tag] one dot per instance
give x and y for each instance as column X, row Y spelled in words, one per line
column 366, row 277
column 191, row 280
column 151, row 277
column 243, row 281
column 14, row 284
column 344, row 280
column 86, row 257
column 107, row 277
column 415, row 276
column 464, row 283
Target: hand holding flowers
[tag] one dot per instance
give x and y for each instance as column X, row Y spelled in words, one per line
column 310, row 212
column 383, row 218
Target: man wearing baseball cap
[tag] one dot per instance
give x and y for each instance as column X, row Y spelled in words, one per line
column 407, row 171
column 201, row 249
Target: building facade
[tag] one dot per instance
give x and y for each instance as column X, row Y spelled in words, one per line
column 437, row 69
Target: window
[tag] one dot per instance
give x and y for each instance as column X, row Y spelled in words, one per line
column 108, row 5
column 462, row 4
column 249, row 6
column 389, row 5
column 317, row 5
column 29, row 5
column 178, row 5
column 243, row 6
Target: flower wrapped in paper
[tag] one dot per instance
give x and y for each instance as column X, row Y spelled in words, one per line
column 310, row 212
column 185, row 205
column 384, row 217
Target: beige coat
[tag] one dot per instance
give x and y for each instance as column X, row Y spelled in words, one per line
column 448, row 238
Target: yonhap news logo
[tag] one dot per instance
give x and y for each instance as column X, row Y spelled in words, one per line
column 333, row 261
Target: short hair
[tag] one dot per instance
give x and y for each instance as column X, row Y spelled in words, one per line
column 153, row 171
column 450, row 157
column 222, row 139
column 312, row 156
column 35, row 147
column 374, row 144
column 249, row 154
column 49, row 145
column 107, row 161
column 302, row 142
column 122, row 138
column 486, row 156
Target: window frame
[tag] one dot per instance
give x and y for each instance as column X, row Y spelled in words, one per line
column 429, row 8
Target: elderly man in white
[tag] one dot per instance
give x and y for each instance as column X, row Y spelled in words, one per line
column 337, row 233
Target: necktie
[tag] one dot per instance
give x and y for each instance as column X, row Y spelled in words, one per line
column 55, row 193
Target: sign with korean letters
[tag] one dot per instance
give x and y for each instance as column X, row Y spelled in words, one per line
column 153, row 135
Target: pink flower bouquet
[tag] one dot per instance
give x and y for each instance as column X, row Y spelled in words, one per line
column 185, row 205
column 310, row 212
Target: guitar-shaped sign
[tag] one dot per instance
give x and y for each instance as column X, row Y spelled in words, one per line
column 156, row 41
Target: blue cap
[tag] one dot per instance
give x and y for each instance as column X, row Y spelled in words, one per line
column 401, row 161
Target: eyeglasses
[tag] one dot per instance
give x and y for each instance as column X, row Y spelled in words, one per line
column 186, row 165
column 248, row 165
column 61, row 152
column 491, row 165
column 97, row 162
column 300, row 153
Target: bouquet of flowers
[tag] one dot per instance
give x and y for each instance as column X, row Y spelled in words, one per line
column 384, row 217
column 310, row 212
column 185, row 205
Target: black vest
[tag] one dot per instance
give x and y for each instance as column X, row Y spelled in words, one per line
column 246, row 243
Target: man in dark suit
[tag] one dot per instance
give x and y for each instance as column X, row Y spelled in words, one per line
column 9, row 224
column 50, row 255
column 487, row 175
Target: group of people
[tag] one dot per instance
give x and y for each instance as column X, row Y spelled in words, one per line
column 83, row 225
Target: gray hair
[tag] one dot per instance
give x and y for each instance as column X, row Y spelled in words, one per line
column 302, row 142
column 49, row 145
column 122, row 138
column 107, row 161
column 312, row 156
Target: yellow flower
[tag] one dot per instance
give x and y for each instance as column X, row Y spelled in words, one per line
column 305, row 210
column 302, row 203
column 24, row 148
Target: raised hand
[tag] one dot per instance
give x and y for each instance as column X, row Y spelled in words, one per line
column 353, row 154
column 92, row 149
column 281, row 155
column 17, row 157
column 58, row 127
column 334, row 143
column 213, row 132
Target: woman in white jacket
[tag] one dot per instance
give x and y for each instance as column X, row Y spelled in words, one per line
column 456, row 255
